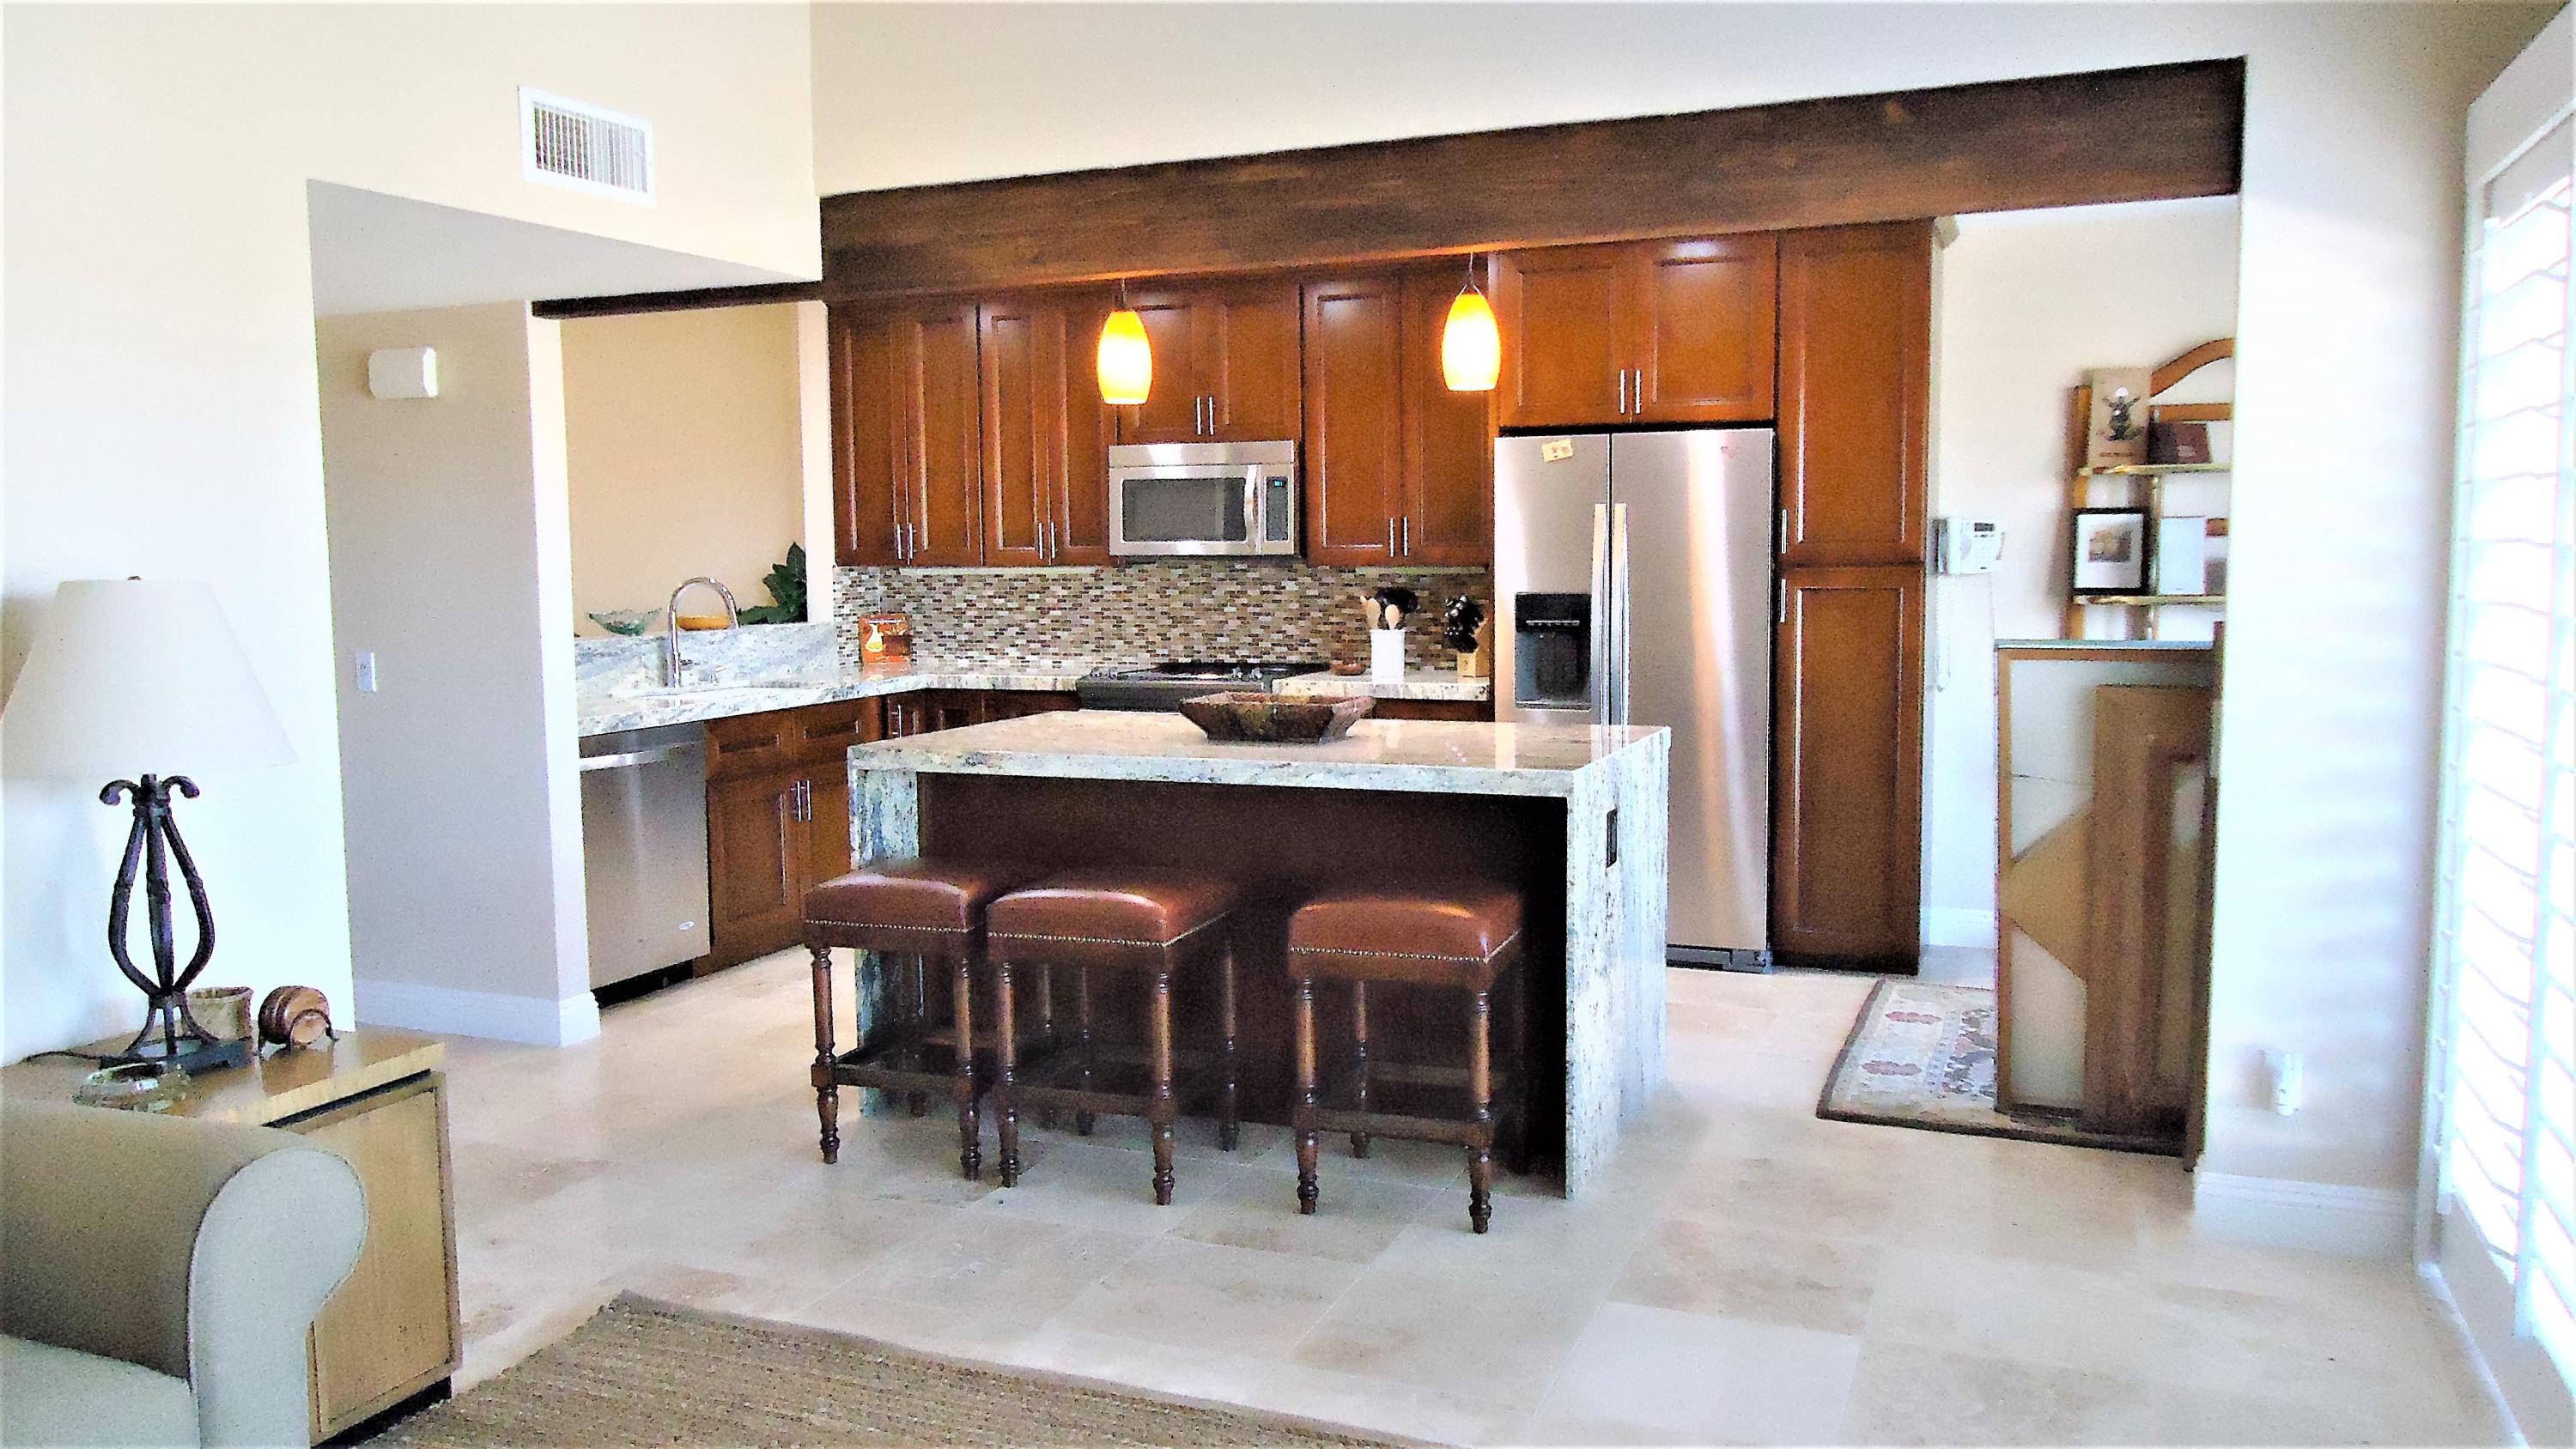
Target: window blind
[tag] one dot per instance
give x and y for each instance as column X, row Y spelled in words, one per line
column 2506, row 928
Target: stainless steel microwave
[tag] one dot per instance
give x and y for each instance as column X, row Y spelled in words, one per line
column 1198, row 500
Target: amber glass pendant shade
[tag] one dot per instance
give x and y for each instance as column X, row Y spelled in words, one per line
column 1471, row 344
column 1126, row 359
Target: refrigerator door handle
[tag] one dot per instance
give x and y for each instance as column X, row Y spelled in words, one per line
column 1618, row 607
column 1601, row 643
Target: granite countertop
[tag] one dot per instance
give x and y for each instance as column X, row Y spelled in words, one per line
column 1418, row 684
column 606, row 712
column 1441, row 756
column 642, row 709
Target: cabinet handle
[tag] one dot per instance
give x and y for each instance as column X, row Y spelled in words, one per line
column 1390, row 538
column 1408, row 535
column 1637, row 392
column 1780, row 609
column 1623, row 392
column 1783, row 549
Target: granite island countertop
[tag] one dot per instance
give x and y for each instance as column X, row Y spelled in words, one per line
column 1429, row 756
column 607, row 711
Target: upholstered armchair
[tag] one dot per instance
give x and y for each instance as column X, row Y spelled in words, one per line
column 158, row 1276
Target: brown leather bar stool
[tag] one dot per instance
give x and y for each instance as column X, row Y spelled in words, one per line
column 1463, row 937
column 914, row 914
column 1159, row 923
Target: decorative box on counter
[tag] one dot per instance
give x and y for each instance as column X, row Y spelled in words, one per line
column 885, row 638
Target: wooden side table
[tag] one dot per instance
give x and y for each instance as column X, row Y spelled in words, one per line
column 375, row 1096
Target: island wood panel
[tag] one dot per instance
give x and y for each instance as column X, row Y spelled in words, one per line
column 2136, row 134
column 1279, row 844
column 1855, row 385
column 1847, row 768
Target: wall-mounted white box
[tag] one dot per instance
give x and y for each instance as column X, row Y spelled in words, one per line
column 403, row 372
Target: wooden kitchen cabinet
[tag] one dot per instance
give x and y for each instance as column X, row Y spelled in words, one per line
column 1398, row 468
column 1681, row 330
column 1847, row 767
column 778, row 820
column 1225, row 363
column 1045, row 430
column 908, row 468
column 921, row 712
column 1855, row 380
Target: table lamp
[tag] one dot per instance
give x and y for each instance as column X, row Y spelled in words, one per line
column 129, row 672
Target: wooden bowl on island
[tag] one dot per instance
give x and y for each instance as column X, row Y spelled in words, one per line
column 1242, row 717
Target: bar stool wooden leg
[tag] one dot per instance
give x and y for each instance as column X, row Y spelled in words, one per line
column 918, row 1015
column 1359, row 1061
column 1303, row 1118
column 1229, row 1120
column 1480, row 1091
column 827, row 1092
column 1160, row 1111
column 970, row 1156
column 1090, row 1052
column 1006, row 1107
column 1046, row 1028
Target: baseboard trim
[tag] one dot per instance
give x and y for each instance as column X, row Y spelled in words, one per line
column 1959, row 926
column 531, row 1019
column 2323, row 1217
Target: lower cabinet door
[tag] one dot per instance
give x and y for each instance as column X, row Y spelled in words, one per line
column 390, row 1330
column 755, row 874
column 1847, row 767
column 826, row 843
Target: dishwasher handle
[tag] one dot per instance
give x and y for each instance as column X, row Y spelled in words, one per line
column 632, row 758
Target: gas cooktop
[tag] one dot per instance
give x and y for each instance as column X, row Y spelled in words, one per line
column 1164, row 686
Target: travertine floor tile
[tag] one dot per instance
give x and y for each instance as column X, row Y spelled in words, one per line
column 1745, row 1274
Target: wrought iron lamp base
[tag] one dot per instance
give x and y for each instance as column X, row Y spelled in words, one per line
column 170, row 1033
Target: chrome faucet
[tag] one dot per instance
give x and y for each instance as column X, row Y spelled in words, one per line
column 671, row 670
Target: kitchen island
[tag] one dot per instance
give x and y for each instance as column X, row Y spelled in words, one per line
column 1573, row 816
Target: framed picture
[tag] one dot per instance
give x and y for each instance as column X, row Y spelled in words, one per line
column 2110, row 551
column 2115, row 433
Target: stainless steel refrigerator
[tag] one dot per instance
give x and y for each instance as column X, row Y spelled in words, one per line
column 1632, row 574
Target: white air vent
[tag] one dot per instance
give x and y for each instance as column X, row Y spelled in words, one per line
column 567, row 143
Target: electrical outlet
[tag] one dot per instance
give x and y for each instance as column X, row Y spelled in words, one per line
column 366, row 671
column 2289, row 1075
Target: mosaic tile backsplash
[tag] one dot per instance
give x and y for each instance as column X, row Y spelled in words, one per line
column 1195, row 609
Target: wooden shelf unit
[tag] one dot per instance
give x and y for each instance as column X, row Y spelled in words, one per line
column 2080, row 480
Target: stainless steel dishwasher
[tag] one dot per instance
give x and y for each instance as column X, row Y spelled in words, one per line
column 644, row 843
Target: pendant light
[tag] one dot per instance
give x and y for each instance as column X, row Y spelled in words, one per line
column 1471, row 343
column 1126, row 360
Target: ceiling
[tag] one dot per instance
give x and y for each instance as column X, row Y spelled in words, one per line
column 379, row 253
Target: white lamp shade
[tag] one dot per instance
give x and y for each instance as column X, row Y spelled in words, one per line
column 137, row 676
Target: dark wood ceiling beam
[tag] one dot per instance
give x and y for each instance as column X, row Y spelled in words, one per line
column 755, row 294
column 2142, row 134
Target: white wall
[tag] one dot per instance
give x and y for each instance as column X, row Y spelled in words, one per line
column 2028, row 301
column 686, row 443
column 160, row 417
column 2349, row 299
column 448, row 542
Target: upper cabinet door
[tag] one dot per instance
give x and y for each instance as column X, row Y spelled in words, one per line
column 1564, row 352
column 1021, row 347
column 1448, row 438
column 1249, row 353
column 1855, row 364
column 1354, row 387
column 1175, row 408
column 1702, row 334
column 863, row 444
column 938, row 437
column 1090, row 425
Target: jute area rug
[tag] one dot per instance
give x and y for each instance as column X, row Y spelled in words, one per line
column 646, row 1372
column 1923, row 1055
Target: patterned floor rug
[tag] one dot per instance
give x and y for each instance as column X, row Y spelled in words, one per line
column 644, row 1372
column 1922, row 1055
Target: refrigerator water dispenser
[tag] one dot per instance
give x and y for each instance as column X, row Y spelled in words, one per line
column 1553, row 651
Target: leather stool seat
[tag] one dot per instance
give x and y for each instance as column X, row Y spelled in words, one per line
column 1447, row 936
column 910, row 893
column 1148, row 919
